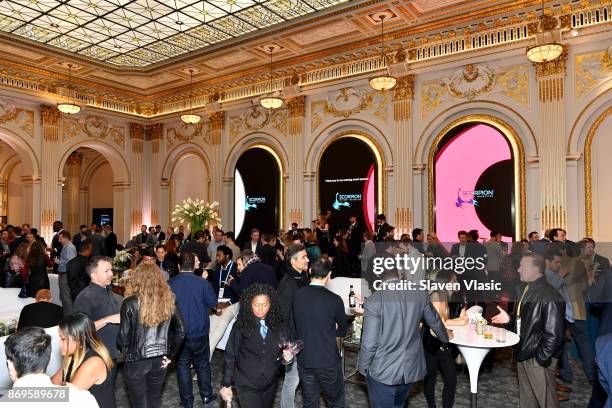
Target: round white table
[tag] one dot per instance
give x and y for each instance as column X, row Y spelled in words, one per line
column 474, row 349
column 11, row 304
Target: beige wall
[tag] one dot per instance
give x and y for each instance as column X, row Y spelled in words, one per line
column 602, row 186
column 101, row 188
column 15, row 197
column 189, row 179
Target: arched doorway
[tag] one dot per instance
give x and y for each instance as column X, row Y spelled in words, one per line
column 349, row 182
column 476, row 180
column 257, row 192
column 87, row 190
column 13, row 206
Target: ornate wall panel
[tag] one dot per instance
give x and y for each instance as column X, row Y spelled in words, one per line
column 591, row 69
column 256, row 118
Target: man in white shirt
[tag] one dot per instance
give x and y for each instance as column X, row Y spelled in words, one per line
column 28, row 352
column 254, row 244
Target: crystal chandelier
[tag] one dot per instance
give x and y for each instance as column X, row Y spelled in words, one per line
column 386, row 81
column 547, row 40
column 69, row 107
column 273, row 99
column 190, row 118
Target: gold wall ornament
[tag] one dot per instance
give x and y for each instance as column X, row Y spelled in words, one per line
column 297, row 106
column 518, row 151
column 217, row 120
column 183, row 132
column 257, row 118
column 8, row 111
column 513, row 82
column 591, row 69
column 96, row 127
column 404, row 89
column 470, row 82
column 432, row 95
column 554, row 67
column 348, row 102
column 588, row 171
column 49, row 115
column 137, row 131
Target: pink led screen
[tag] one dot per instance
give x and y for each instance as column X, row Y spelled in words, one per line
column 474, row 183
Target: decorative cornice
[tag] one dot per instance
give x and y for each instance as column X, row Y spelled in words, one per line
column 49, row 115
column 554, row 67
column 297, row 106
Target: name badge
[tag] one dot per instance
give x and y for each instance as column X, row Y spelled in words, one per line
column 221, row 290
column 518, row 326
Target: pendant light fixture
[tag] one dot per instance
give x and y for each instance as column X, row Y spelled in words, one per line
column 547, row 40
column 386, row 81
column 271, row 100
column 190, row 118
column 69, row 107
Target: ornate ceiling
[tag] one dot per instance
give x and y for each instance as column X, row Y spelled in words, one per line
column 340, row 40
column 143, row 32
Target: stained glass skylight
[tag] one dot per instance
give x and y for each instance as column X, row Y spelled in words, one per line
column 143, row 32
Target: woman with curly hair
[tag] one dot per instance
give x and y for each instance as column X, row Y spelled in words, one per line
column 252, row 354
column 150, row 334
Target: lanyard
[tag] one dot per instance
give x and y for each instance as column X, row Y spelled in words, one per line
column 518, row 309
column 229, row 265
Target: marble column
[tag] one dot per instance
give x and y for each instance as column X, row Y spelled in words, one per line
column 551, row 142
column 51, row 185
column 295, row 183
column 403, row 96
column 74, row 172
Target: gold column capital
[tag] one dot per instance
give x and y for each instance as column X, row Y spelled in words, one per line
column 297, row 106
column 137, row 131
column 404, row 89
column 75, row 159
column 554, row 67
column 217, row 120
column 49, row 115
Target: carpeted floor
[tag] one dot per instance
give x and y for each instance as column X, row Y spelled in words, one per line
column 497, row 389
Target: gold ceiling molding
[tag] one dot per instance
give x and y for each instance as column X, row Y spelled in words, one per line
column 222, row 88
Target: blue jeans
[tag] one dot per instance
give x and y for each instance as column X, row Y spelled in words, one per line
column 387, row 396
column 194, row 350
column 290, row 384
column 580, row 335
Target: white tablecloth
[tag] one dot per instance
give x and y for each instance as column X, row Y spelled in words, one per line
column 11, row 304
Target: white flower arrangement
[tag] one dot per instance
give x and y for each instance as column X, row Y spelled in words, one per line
column 122, row 259
column 198, row 214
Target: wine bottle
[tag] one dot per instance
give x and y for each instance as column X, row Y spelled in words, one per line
column 352, row 299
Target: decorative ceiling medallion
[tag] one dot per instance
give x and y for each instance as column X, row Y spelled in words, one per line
column 375, row 17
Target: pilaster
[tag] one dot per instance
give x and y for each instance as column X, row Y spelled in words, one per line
column 403, row 96
column 51, row 193
column 551, row 99
column 295, row 182
column 216, row 128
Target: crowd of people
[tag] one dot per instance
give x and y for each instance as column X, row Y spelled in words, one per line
column 184, row 288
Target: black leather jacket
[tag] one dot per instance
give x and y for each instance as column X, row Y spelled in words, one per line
column 138, row 342
column 542, row 323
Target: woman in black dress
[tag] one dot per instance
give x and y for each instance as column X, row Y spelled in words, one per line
column 252, row 354
column 87, row 363
column 36, row 264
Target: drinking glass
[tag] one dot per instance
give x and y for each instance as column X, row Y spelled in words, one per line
column 488, row 332
column 294, row 347
column 500, row 334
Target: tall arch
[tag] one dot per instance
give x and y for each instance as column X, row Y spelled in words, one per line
column 121, row 180
column 363, row 131
column 261, row 139
column 517, row 148
column 17, row 140
column 588, row 170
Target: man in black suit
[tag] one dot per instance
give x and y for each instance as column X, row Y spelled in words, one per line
column 540, row 246
column 159, row 234
column 253, row 244
column 80, row 236
column 255, row 271
column 319, row 322
column 196, row 246
column 267, row 252
column 110, row 241
column 78, row 278
column 98, row 244
column 144, row 239
column 56, row 245
column 383, row 229
column 458, row 249
column 603, row 263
